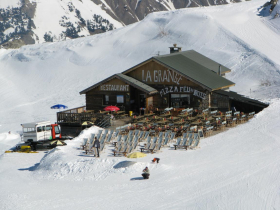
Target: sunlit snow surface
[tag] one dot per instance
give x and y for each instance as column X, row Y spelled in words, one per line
column 237, row 169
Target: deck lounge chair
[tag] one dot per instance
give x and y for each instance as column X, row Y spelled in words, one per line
column 103, row 137
column 184, row 144
column 117, row 133
column 146, row 147
column 102, row 146
column 84, row 143
column 136, row 132
column 117, row 150
column 172, row 135
column 166, row 140
column 178, row 142
column 195, row 141
column 152, row 147
column 109, row 138
column 146, row 135
column 141, row 133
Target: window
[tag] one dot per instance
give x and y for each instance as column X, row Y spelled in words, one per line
column 120, row 99
column 39, row 129
column 48, row 128
column 56, row 129
column 180, row 100
column 28, row 130
column 106, row 100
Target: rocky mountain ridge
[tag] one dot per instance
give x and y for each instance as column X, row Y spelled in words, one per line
column 37, row 21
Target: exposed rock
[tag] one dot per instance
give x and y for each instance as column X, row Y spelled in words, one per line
column 17, row 23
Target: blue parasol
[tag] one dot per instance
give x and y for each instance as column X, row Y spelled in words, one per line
column 59, row 106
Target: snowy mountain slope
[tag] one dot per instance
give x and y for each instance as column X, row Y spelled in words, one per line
column 63, row 69
column 38, row 21
column 237, row 169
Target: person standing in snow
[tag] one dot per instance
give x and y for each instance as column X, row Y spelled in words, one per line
column 146, row 173
column 96, row 145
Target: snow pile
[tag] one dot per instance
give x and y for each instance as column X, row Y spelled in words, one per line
column 9, row 3
column 70, row 163
column 8, row 140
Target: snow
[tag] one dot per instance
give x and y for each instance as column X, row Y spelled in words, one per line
column 9, row 3
column 236, row 169
column 8, row 31
column 57, row 8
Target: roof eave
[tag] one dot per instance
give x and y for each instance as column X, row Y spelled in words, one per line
column 220, row 88
column 136, row 86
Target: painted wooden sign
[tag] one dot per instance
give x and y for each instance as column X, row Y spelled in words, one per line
column 114, row 85
column 182, row 89
column 161, row 76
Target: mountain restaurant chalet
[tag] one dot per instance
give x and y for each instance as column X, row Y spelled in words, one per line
column 180, row 79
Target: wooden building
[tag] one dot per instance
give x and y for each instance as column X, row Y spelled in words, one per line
column 179, row 80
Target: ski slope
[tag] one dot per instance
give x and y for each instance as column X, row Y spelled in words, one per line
column 237, row 169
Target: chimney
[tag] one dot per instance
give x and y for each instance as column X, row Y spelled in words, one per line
column 175, row 49
column 220, row 71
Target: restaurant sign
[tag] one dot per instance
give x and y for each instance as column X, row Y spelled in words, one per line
column 114, row 87
column 182, row 89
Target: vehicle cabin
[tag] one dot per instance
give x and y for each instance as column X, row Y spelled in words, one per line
column 40, row 131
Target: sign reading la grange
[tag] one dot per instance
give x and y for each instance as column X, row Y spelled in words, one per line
column 161, row 76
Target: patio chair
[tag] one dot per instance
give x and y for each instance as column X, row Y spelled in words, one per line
column 130, row 139
column 166, row 140
column 103, row 137
column 160, row 134
column 124, row 139
column 130, row 133
column 185, row 135
column 117, row 133
column 229, row 113
column 84, row 143
column 136, row 132
column 172, row 135
column 155, row 140
column 141, row 133
column 99, row 134
column 149, row 139
column 158, row 147
column 89, row 145
column 117, row 150
column 178, row 142
column 109, row 138
column 190, row 141
column 184, row 143
column 127, row 150
column 209, row 131
column 102, row 146
column 146, row 135
column 251, row 115
column 195, row 141
column 146, row 147
column 106, row 131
